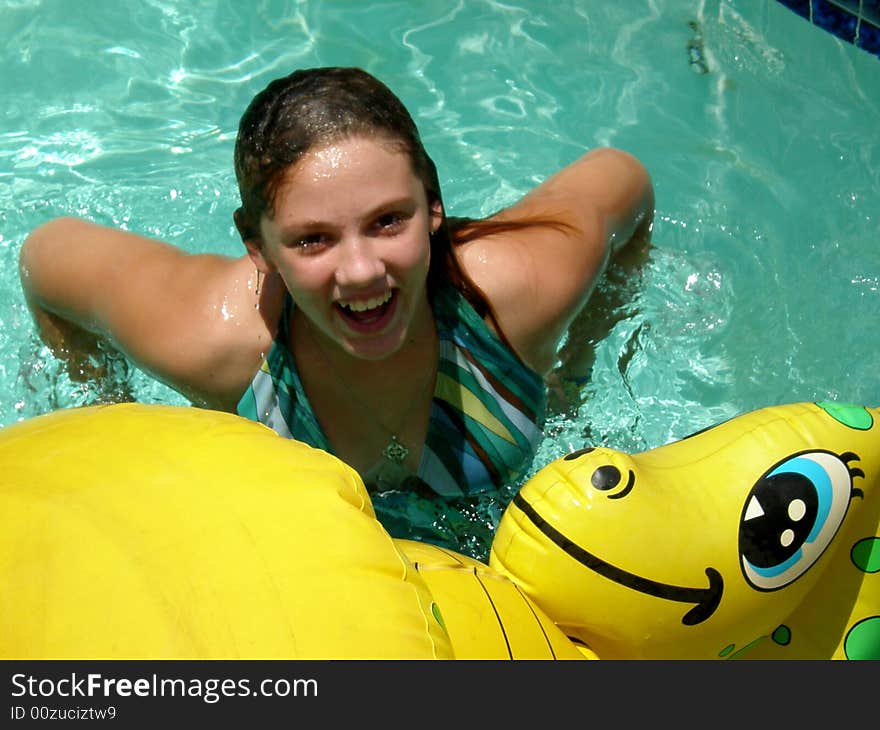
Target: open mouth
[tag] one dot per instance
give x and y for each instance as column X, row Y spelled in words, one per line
column 706, row 599
column 368, row 315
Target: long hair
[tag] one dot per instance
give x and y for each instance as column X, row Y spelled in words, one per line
column 319, row 106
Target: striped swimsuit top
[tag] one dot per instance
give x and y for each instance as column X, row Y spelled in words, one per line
column 487, row 412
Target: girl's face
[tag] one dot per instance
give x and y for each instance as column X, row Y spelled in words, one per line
column 349, row 237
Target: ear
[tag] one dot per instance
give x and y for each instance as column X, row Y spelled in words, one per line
column 253, row 242
column 436, row 215
column 254, row 248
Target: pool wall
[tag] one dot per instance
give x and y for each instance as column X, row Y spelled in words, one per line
column 855, row 21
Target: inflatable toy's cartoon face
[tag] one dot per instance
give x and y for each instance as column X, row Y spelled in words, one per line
column 755, row 538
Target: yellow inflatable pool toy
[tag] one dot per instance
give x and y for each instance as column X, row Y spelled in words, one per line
column 138, row 531
column 757, row 538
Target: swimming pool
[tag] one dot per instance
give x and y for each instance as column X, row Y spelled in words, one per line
column 760, row 131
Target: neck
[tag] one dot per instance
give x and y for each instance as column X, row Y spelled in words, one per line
column 416, row 355
column 364, row 406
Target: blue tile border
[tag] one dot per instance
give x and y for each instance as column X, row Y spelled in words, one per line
column 801, row 7
column 854, row 21
column 869, row 39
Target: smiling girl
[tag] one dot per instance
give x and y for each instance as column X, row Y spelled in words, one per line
column 363, row 320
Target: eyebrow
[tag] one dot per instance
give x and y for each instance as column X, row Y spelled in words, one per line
column 407, row 202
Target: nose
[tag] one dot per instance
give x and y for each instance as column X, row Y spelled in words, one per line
column 359, row 262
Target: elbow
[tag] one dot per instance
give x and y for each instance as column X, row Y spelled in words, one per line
column 637, row 179
column 53, row 228
column 643, row 219
column 42, row 236
column 634, row 222
column 31, row 252
column 38, row 251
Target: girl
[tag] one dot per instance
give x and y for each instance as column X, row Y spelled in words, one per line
column 363, row 320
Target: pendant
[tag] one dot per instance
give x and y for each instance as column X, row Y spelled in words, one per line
column 389, row 473
column 386, row 475
column 395, row 451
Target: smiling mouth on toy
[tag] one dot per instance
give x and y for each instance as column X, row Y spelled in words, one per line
column 706, row 599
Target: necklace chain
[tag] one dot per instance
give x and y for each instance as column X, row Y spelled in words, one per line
column 395, row 451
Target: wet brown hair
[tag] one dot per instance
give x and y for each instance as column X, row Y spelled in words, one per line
column 318, row 106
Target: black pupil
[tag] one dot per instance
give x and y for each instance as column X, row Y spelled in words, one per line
column 606, row 477
column 790, row 505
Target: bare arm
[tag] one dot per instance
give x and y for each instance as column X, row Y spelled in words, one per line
column 539, row 278
column 177, row 316
column 70, row 274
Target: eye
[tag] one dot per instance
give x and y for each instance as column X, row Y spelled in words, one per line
column 390, row 222
column 309, row 242
column 790, row 516
column 605, row 477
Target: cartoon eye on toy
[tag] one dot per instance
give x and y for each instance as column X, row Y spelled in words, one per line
column 607, row 477
column 791, row 515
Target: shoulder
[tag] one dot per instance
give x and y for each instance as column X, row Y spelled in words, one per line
column 224, row 330
column 537, row 277
column 604, row 194
column 193, row 321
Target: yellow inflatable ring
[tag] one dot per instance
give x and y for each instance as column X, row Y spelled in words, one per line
column 134, row 531
column 139, row 532
column 757, row 538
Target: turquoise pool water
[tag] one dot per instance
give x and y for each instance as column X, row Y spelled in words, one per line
column 759, row 129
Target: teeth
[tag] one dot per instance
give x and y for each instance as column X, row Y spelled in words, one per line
column 364, row 304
